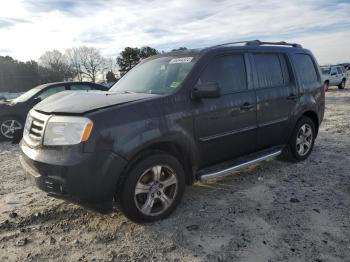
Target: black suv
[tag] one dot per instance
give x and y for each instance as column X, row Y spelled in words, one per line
column 173, row 119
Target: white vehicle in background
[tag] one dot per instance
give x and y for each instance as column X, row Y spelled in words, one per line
column 334, row 76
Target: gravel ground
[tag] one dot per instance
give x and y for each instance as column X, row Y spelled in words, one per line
column 274, row 211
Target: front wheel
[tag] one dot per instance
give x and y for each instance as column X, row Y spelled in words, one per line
column 152, row 189
column 302, row 140
column 326, row 86
column 342, row 84
column 8, row 126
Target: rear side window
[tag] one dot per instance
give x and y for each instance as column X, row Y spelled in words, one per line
column 305, row 68
column 339, row 70
column 228, row 71
column 272, row 70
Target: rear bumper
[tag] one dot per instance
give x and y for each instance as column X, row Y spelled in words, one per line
column 88, row 179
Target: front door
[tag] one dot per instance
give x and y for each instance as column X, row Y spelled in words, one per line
column 225, row 127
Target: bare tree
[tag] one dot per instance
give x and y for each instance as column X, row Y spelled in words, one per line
column 73, row 56
column 92, row 63
column 111, row 66
column 57, row 65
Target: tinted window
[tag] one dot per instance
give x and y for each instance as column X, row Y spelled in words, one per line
column 50, row 91
column 80, row 87
column 305, row 68
column 285, row 71
column 339, row 70
column 228, row 71
column 269, row 70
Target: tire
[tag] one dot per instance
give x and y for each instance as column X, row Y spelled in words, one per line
column 8, row 125
column 152, row 200
column 326, row 86
column 342, row 84
column 293, row 151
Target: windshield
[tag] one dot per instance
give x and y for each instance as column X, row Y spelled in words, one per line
column 159, row 76
column 325, row 70
column 24, row 97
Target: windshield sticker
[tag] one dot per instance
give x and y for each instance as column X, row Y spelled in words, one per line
column 181, row 60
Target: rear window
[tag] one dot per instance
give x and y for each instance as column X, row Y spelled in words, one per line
column 228, row 71
column 272, row 70
column 305, row 68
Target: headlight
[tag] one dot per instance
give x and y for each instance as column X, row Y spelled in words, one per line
column 67, row 130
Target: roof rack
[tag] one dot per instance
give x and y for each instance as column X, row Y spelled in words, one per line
column 258, row 43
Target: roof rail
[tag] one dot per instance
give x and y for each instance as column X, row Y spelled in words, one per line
column 258, row 42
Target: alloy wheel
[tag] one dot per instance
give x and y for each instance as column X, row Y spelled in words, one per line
column 8, row 128
column 156, row 190
column 304, row 139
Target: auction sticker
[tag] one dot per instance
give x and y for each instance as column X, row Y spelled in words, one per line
column 180, row 60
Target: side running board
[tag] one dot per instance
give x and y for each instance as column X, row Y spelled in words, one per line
column 236, row 167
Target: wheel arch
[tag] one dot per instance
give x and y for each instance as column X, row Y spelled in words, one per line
column 174, row 149
column 314, row 117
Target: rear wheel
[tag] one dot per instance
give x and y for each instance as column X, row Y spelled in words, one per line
column 8, row 126
column 342, row 84
column 153, row 188
column 326, row 86
column 302, row 140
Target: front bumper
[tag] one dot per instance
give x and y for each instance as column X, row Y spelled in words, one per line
column 88, row 179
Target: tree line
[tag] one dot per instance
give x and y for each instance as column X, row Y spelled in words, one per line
column 78, row 63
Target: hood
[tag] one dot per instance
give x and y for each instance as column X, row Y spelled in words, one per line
column 79, row 102
column 5, row 102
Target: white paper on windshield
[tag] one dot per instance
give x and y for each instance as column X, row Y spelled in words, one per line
column 181, row 60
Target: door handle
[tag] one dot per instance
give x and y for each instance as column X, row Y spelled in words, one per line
column 292, row 96
column 246, row 106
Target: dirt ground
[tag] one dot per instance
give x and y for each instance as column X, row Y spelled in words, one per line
column 274, row 211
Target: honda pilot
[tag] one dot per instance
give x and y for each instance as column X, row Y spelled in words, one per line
column 174, row 119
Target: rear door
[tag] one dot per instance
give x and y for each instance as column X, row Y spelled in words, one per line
column 276, row 94
column 225, row 127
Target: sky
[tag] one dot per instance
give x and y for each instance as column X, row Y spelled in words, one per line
column 28, row 28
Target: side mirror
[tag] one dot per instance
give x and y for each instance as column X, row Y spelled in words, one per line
column 36, row 100
column 333, row 74
column 206, row 90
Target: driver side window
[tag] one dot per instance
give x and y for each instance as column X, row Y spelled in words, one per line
column 50, row 91
column 228, row 71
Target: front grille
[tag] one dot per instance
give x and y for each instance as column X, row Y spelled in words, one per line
column 35, row 127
